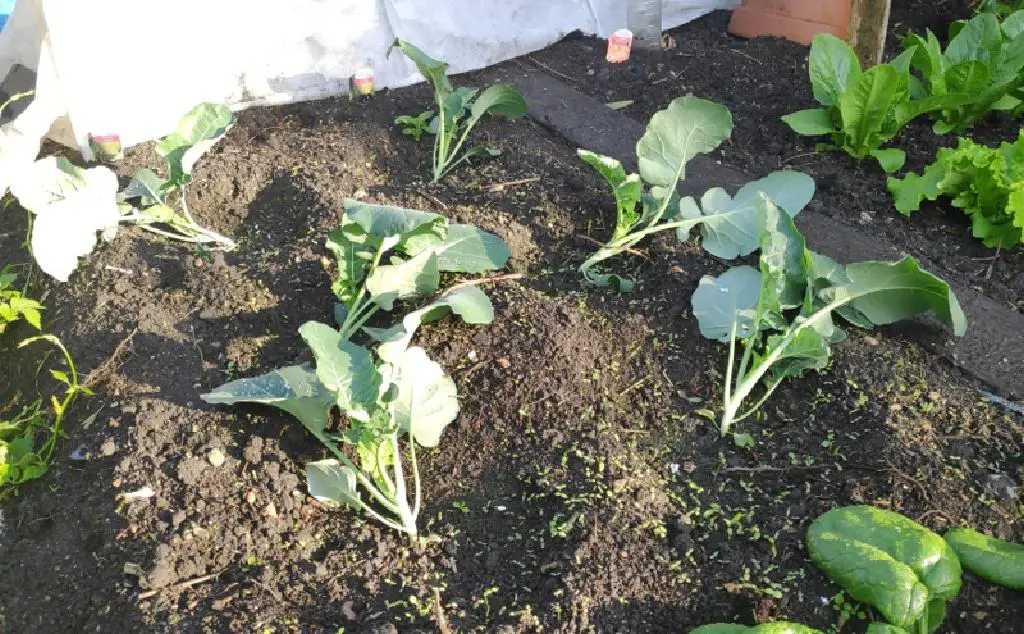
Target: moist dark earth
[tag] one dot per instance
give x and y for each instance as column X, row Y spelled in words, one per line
column 582, row 488
column 762, row 79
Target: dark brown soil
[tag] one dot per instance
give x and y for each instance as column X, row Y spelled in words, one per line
column 581, row 489
column 762, row 79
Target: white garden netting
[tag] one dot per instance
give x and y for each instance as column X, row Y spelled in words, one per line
column 114, row 67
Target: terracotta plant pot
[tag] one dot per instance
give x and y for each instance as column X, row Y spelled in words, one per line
column 797, row 20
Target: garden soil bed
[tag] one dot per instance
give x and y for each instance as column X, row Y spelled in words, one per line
column 581, row 488
column 762, row 79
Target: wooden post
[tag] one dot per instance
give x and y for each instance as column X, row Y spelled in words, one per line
column 869, row 22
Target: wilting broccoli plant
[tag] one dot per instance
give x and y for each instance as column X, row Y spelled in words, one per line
column 647, row 203
column 782, row 314
column 390, row 396
column 71, row 204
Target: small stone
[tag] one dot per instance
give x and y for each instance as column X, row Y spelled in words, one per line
column 189, row 470
column 471, row 355
column 270, row 510
column 250, row 496
column 348, row 612
column 871, row 341
column 117, row 483
column 108, row 447
column 1002, row 487
column 217, row 457
column 208, row 314
column 503, row 363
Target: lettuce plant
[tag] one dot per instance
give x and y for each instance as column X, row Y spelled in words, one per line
column 647, row 203
column 394, row 393
column 982, row 67
column 1000, row 9
column 986, row 183
column 782, row 313
column 862, row 110
column 451, row 125
column 902, row 569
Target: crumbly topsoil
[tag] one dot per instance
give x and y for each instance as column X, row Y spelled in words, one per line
column 582, row 488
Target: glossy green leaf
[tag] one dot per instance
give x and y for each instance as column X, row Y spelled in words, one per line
column 992, row 559
column 147, row 187
column 885, row 560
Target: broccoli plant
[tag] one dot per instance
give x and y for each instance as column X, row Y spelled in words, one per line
column 647, row 203
column 782, row 313
column 451, row 126
column 395, row 392
column 71, row 204
column 164, row 202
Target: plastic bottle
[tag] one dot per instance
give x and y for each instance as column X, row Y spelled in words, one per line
column 643, row 18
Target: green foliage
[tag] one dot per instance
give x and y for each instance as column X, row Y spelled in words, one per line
column 415, row 126
column 395, row 394
column 862, row 110
column 986, row 183
column 992, row 559
column 29, row 438
column 162, row 204
column 647, row 203
column 999, row 8
column 458, row 111
column 14, row 305
column 883, row 559
column 782, row 314
column 981, row 68
column 779, row 627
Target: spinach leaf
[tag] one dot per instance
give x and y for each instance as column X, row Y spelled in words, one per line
column 992, row 559
column 905, row 571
